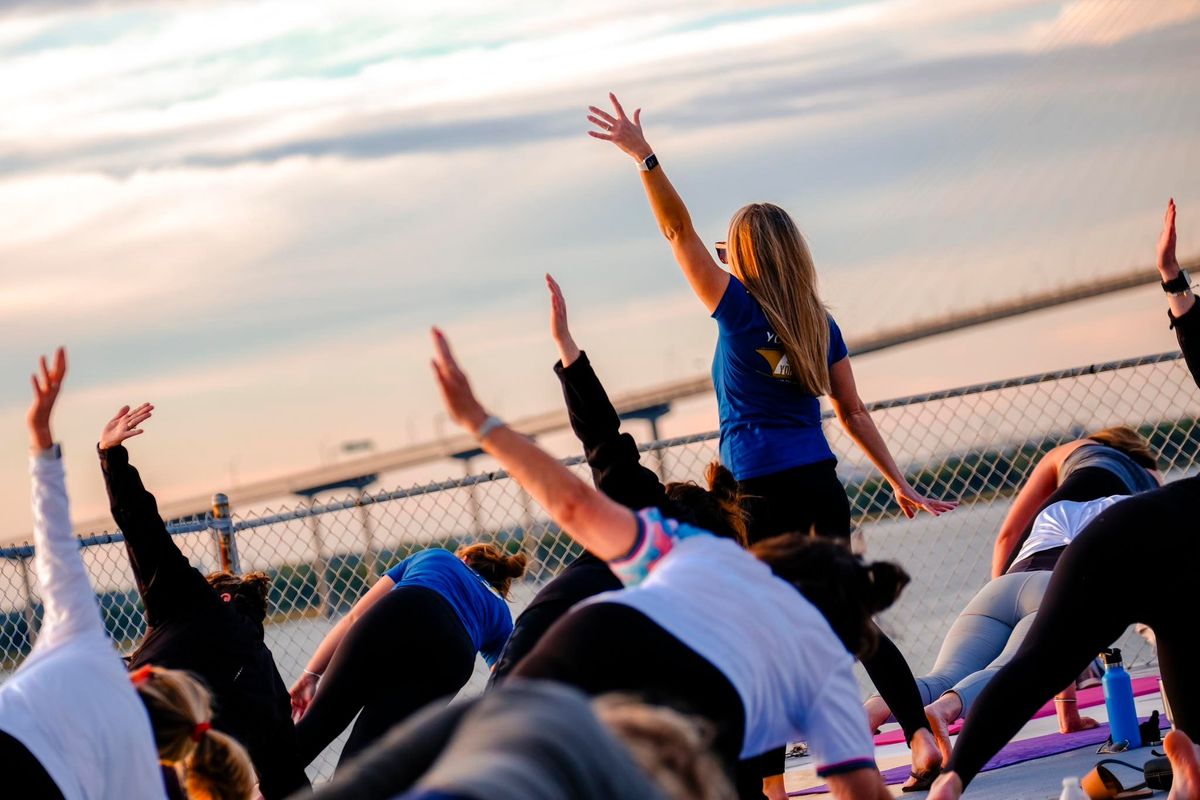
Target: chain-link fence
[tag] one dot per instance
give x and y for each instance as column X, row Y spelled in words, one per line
column 976, row 443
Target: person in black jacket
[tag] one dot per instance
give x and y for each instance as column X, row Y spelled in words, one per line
column 617, row 471
column 212, row 627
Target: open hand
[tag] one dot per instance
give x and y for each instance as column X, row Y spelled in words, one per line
column 460, row 401
column 622, row 131
column 912, row 502
column 45, row 392
column 124, row 425
column 568, row 351
column 1168, row 265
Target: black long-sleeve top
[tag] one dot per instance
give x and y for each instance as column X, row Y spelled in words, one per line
column 191, row 628
column 613, row 457
column 1187, row 331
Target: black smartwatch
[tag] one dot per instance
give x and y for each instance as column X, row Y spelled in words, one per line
column 649, row 163
column 1180, row 284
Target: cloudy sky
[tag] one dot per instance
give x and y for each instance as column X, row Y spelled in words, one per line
column 249, row 212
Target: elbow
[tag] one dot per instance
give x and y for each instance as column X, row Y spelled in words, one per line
column 572, row 505
column 676, row 228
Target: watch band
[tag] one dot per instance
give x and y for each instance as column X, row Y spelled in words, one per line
column 489, row 425
column 648, row 163
column 1180, row 284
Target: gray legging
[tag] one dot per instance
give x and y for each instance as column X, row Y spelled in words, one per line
column 985, row 636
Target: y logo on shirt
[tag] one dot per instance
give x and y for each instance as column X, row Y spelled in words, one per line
column 776, row 358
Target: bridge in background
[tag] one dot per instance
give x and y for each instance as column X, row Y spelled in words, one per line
column 649, row 404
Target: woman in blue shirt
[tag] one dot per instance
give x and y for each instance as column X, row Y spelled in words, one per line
column 778, row 351
column 411, row 639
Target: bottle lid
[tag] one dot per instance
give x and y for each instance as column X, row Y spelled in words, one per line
column 1112, row 656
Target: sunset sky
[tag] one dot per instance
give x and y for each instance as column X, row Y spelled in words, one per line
column 249, row 213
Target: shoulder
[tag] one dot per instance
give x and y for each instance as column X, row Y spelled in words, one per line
column 737, row 309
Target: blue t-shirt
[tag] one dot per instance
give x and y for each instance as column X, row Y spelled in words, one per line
column 483, row 612
column 769, row 423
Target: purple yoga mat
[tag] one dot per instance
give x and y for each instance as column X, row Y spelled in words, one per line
column 1051, row 744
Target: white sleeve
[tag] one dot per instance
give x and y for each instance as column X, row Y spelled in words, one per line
column 836, row 724
column 67, row 594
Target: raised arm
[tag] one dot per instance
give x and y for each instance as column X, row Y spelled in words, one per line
column 706, row 277
column 857, row 422
column 1182, row 303
column 70, row 600
column 166, row 580
column 604, row 527
column 616, row 465
column 1033, row 494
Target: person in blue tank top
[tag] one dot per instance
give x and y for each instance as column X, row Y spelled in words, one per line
column 410, row 640
column 778, row 351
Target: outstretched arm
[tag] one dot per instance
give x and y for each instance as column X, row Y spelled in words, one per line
column 1037, row 488
column 616, row 465
column 305, row 688
column 70, row 600
column 857, row 422
column 706, row 277
column 604, row 527
column 166, row 580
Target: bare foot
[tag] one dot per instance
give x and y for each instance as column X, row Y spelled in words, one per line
column 947, row 787
column 1185, row 764
column 940, row 719
column 878, row 712
column 926, row 758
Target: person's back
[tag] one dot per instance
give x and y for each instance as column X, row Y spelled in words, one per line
column 218, row 636
column 769, row 422
column 483, row 612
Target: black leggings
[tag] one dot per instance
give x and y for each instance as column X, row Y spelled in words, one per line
column 586, row 576
column 24, row 775
column 1081, row 485
column 1139, row 558
column 812, row 498
column 798, row 500
column 610, row 647
column 408, row 650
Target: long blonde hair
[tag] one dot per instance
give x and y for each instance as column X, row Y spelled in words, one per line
column 768, row 254
column 180, row 710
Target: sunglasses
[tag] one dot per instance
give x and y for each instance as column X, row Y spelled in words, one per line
column 722, row 252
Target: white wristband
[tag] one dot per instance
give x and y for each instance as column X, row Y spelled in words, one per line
column 490, row 424
column 316, row 675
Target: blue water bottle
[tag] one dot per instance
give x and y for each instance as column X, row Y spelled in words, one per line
column 1118, row 698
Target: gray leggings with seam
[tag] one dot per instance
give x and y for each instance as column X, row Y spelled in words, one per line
column 985, row 636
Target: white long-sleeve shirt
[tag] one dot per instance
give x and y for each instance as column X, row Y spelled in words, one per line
column 71, row 702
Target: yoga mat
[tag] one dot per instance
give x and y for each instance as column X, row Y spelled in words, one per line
column 1087, row 698
column 1051, row 744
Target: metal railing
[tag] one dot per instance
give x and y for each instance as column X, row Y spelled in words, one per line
column 977, row 443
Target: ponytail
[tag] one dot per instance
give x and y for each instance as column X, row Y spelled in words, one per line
column 720, row 509
column 219, row 768
column 180, row 711
column 496, row 566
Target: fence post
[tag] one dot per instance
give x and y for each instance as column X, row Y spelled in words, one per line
column 30, row 616
column 370, row 557
column 320, row 566
column 223, row 535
